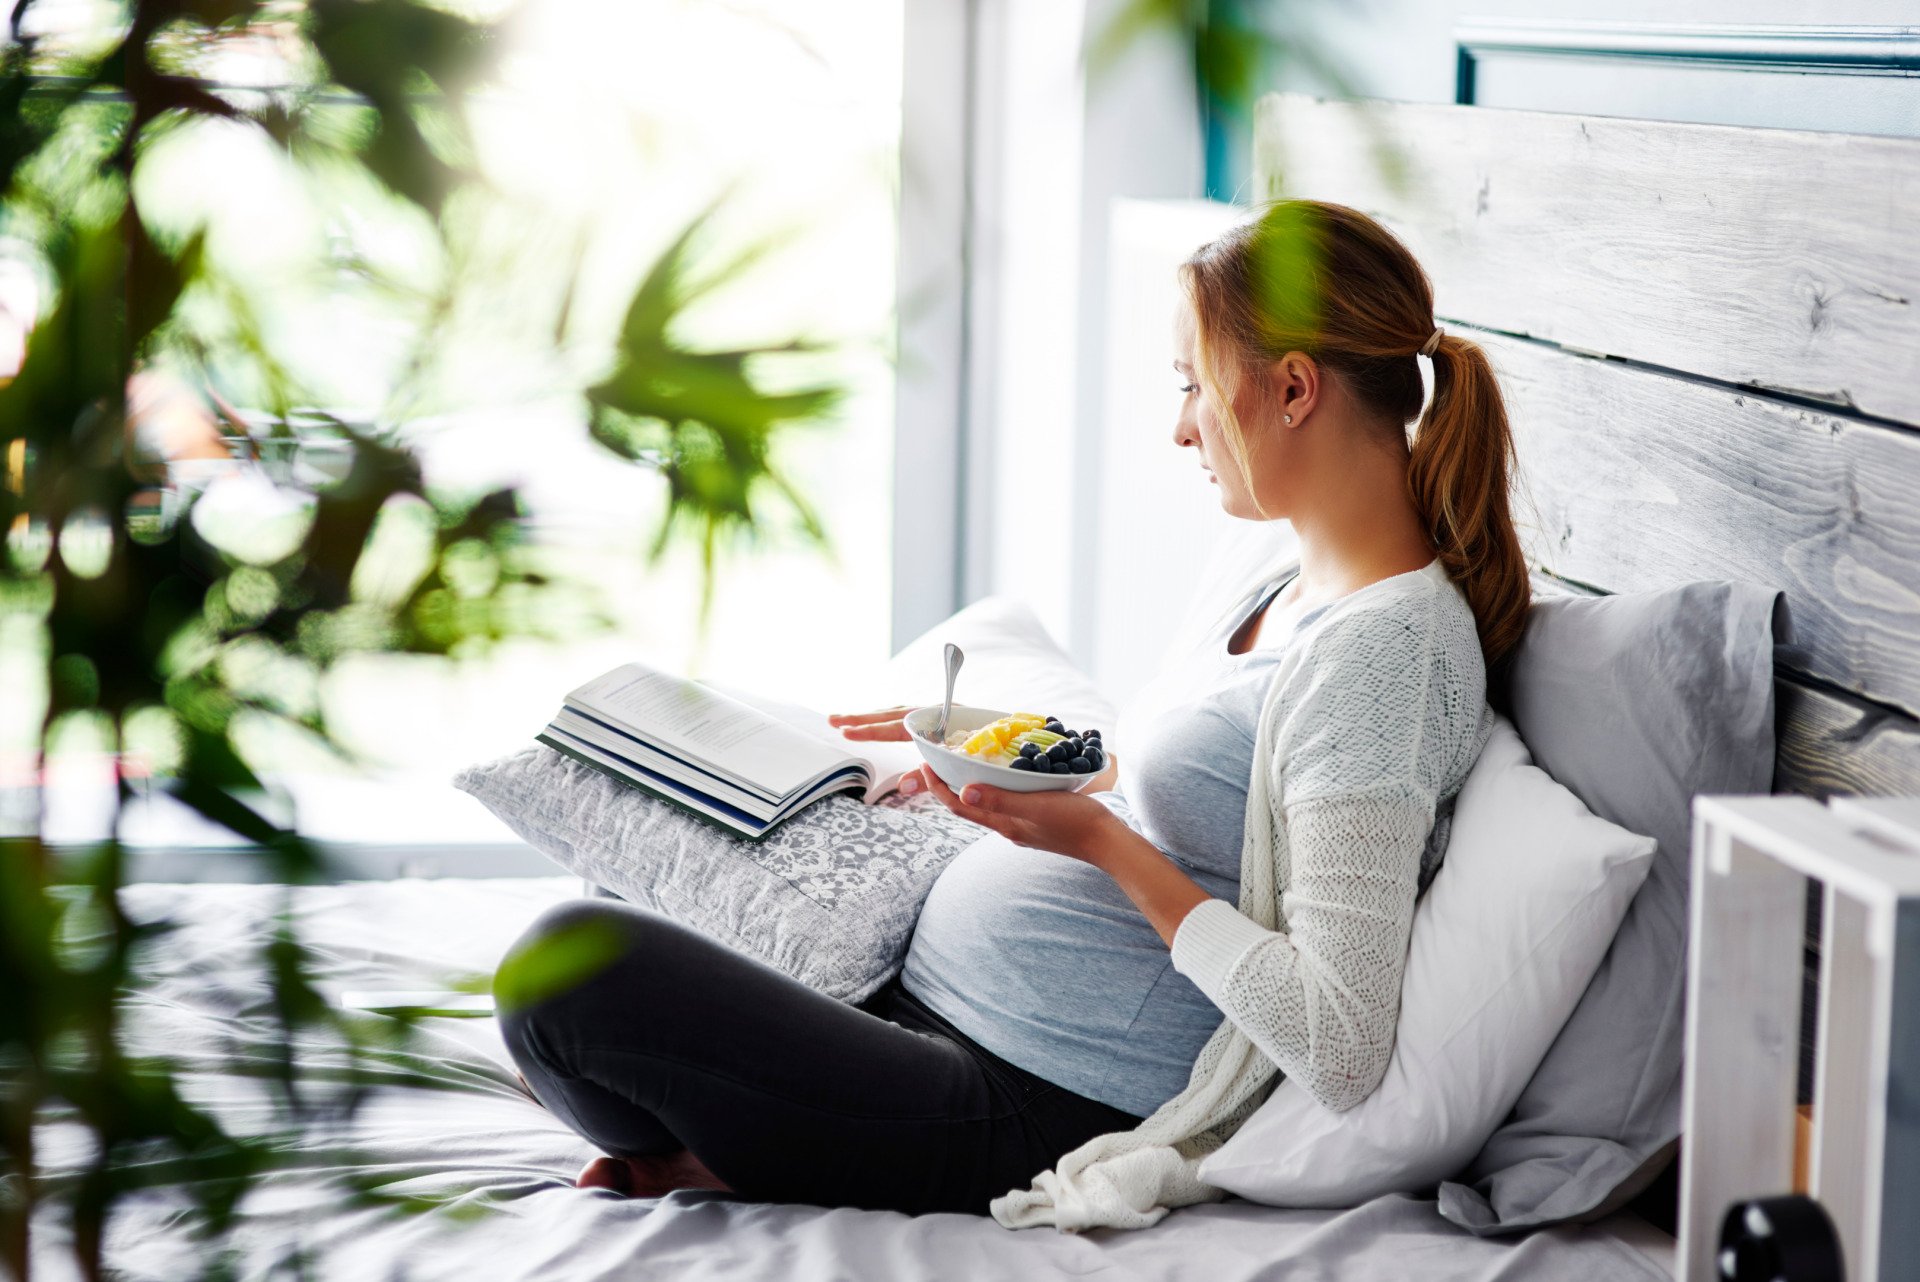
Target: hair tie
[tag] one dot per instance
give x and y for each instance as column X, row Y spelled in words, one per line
column 1432, row 344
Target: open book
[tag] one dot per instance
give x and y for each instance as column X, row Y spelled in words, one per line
column 735, row 759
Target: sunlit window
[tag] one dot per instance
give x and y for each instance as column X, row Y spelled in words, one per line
column 607, row 128
column 617, row 123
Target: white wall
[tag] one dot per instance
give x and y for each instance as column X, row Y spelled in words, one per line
column 1159, row 519
column 1027, row 220
column 1003, row 292
column 1144, row 141
column 1069, row 145
column 931, row 302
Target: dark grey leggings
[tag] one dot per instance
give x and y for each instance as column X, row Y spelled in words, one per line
column 783, row 1092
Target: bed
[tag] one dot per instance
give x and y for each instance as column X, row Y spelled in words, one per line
column 468, row 1138
column 1756, row 420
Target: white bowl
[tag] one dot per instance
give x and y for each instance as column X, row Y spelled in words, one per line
column 956, row 769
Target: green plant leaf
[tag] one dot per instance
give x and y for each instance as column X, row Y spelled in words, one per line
column 556, row 962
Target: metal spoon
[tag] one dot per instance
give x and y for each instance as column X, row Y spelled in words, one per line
column 954, row 660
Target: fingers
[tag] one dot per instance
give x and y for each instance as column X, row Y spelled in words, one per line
column 979, row 814
column 884, row 730
column 980, row 798
column 881, row 725
column 894, row 713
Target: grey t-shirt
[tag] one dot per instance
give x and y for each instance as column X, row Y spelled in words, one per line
column 1043, row 959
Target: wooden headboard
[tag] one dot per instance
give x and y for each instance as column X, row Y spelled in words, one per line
column 1710, row 342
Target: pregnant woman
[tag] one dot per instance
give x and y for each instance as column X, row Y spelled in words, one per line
column 1104, row 987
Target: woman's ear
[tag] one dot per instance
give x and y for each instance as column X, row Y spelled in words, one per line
column 1293, row 382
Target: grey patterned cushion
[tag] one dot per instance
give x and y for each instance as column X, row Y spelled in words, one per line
column 830, row 896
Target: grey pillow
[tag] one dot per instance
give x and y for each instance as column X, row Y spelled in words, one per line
column 1636, row 703
column 830, row 896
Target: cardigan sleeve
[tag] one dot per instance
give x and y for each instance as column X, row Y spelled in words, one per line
column 1351, row 804
column 1322, row 998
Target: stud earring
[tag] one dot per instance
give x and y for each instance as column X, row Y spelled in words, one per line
column 1286, row 418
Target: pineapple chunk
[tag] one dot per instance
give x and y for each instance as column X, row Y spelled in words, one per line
column 995, row 741
column 980, row 741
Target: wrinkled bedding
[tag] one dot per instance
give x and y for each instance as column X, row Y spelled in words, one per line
column 452, row 1124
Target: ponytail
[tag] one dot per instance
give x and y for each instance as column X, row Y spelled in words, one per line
column 1459, row 475
column 1311, row 276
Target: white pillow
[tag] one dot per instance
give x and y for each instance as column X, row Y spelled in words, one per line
column 1504, row 942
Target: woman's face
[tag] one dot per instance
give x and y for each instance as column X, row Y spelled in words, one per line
column 1199, row 426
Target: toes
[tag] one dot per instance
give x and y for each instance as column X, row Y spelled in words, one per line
column 606, row 1173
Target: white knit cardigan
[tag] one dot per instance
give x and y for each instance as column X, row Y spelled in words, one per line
column 1376, row 712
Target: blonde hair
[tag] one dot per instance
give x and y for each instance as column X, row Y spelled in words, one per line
column 1326, row 280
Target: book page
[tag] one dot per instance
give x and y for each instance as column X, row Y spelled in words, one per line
column 702, row 724
column 888, row 761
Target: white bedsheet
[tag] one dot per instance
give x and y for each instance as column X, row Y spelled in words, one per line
column 453, row 1124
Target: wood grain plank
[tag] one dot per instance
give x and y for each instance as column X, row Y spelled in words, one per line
column 1637, row 480
column 1827, row 745
column 1772, row 258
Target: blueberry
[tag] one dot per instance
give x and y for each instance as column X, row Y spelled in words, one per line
column 1056, row 727
column 1058, row 752
column 1092, row 734
column 1020, row 763
column 1029, row 750
column 1097, row 757
column 1062, row 768
column 1080, row 766
column 1078, row 745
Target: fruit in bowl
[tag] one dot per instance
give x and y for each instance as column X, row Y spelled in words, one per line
column 1018, row 751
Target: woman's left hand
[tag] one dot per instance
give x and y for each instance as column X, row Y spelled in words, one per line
column 1066, row 823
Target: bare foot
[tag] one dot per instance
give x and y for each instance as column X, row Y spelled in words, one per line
column 606, row 1173
column 650, row 1176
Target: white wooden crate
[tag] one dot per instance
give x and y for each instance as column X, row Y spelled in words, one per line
column 1752, row 859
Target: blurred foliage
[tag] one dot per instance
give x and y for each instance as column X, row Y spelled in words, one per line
column 150, row 618
column 559, row 960
column 699, row 416
column 1239, row 50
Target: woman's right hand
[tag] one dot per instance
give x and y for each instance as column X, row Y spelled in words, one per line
column 886, row 723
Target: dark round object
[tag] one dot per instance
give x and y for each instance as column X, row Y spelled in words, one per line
column 1021, row 763
column 1078, row 744
column 1080, row 766
column 1778, row 1239
column 1029, row 750
column 1092, row 736
column 1058, row 752
column 1061, row 768
column 1055, row 726
column 1097, row 757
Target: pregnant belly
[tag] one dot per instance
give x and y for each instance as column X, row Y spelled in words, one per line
column 1027, row 948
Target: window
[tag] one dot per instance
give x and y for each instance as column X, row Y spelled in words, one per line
column 609, row 126
column 619, row 122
